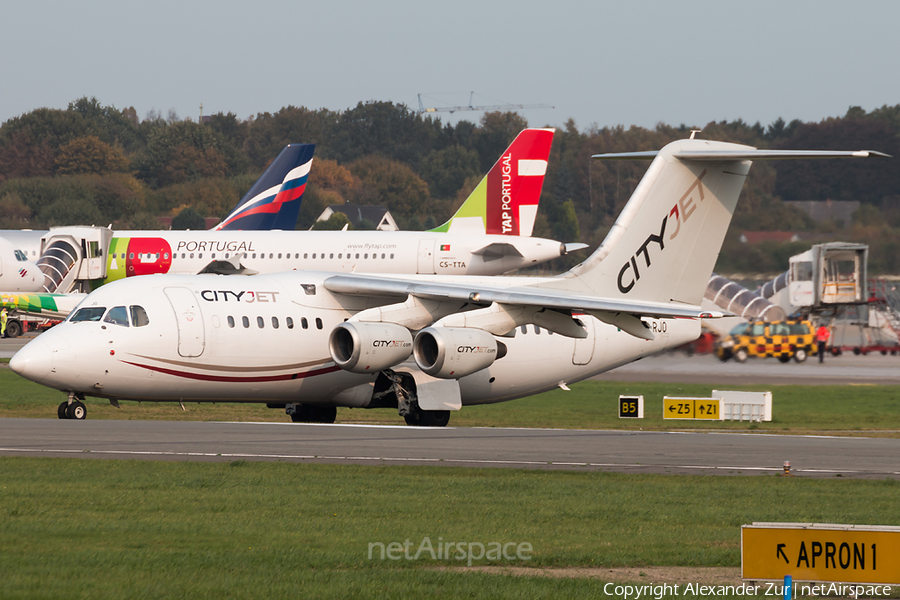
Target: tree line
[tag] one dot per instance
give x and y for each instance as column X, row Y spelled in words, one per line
column 96, row 164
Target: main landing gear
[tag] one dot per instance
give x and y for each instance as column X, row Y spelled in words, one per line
column 73, row 408
column 308, row 413
column 403, row 387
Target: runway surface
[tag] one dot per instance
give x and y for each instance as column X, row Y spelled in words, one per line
column 616, row 451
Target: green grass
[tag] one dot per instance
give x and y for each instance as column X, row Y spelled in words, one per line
column 851, row 410
column 118, row 529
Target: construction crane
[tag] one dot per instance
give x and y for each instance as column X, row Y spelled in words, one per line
column 453, row 109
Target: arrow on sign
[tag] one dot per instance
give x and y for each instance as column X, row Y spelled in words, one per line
column 672, row 408
column 781, row 553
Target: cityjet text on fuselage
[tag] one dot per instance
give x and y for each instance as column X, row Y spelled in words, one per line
column 243, row 296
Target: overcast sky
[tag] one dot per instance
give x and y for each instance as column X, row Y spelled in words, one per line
column 598, row 62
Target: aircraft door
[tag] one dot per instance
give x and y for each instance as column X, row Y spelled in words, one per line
column 426, row 257
column 584, row 348
column 191, row 338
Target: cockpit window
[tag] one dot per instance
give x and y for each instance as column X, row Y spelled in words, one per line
column 139, row 316
column 91, row 313
column 20, row 256
column 118, row 315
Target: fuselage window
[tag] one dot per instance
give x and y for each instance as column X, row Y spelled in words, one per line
column 318, row 323
column 304, row 323
column 213, row 255
column 260, row 322
column 92, row 314
column 131, row 256
column 272, row 255
column 290, row 322
column 340, row 254
column 192, row 255
column 245, row 322
column 166, row 256
column 279, row 255
column 357, row 255
column 537, row 330
column 200, row 255
column 274, row 322
column 366, row 255
column 392, row 255
column 524, row 328
column 254, row 255
column 382, row 256
column 117, row 315
column 305, row 255
column 331, row 255
column 245, row 255
column 139, row 316
column 231, row 321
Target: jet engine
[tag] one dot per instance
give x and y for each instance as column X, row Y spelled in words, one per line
column 369, row 347
column 454, row 352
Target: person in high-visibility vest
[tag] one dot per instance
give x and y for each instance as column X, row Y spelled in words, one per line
column 3, row 319
column 822, row 336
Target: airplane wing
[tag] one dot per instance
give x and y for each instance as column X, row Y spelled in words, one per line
column 623, row 314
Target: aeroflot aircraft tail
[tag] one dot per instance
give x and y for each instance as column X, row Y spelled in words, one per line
column 506, row 200
column 274, row 200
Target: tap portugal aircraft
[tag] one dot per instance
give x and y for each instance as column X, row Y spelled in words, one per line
column 482, row 238
column 310, row 341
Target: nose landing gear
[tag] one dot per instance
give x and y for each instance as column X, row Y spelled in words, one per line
column 73, row 408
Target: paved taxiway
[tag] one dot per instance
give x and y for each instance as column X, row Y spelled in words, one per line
column 660, row 452
column 627, row 452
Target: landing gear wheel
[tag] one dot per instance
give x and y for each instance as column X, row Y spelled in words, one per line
column 740, row 355
column 76, row 411
column 61, row 411
column 325, row 414
column 304, row 413
column 784, row 358
column 428, row 418
column 800, row 355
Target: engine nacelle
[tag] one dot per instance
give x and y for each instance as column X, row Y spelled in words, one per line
column 369, row 347
column 454, row 352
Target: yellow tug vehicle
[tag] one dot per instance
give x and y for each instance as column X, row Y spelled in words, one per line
column 781, row 339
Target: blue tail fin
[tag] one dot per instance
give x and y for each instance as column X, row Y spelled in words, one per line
column 274, row 200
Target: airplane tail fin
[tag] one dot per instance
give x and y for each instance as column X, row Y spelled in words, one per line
column 665, row 244
column 506, row 200
column 274, row 200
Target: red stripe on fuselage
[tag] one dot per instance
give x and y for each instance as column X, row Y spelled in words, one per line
column 221, row 379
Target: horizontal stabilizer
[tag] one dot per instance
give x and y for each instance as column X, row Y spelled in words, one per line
column 728, row 155
column 497, row 250
column 574, row 247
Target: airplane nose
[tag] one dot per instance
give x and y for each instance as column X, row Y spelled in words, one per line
column 33, row 361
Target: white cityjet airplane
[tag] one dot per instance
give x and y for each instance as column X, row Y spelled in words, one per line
column 310, row 341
